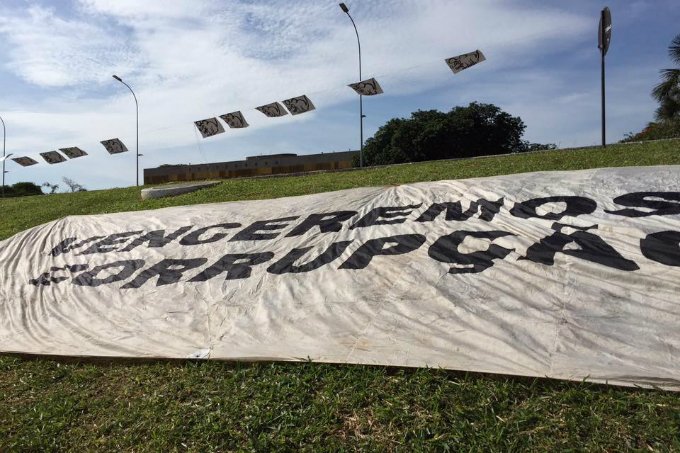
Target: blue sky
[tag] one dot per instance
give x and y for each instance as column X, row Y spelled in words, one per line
column 193, row 59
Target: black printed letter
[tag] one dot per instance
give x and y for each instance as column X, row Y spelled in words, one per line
column 156, row 238
column 236, row 266
column 109, row 243
column 252, row 232
column 127, row 268
column 330, row 221
column 168, row 271
column 391, row 212
column 575, row 207
column 445, row 249
column 638, row 200
column 403, row 243
column 194, row 238
column 593, row 249
column 662, row 247
column 454, row 211
column 287, row 263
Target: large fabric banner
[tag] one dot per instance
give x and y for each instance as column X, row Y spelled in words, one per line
column 572, row 275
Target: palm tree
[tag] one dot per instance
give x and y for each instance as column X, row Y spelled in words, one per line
column 668, row 91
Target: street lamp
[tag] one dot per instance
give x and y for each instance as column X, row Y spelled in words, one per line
column 137, row 109
column 345, row 9
column 4, row 135
column 4, row 159
column 603, row 39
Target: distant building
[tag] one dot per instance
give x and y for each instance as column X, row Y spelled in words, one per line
column 273, row 164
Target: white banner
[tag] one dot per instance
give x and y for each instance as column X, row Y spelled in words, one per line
column 572, row 275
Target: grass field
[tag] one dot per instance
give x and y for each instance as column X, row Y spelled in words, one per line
column 168, row 405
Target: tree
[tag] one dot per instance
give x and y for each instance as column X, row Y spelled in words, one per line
column 668, row 91
column 475, row 130
column 73, row 186
column 22, row 189
column 655, row 131
column 53, row 187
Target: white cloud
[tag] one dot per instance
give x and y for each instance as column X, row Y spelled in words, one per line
column 191, row 59
column 47, row 50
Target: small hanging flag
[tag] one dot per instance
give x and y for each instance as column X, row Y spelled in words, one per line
column 272, row 110
column 24, row 161
column 114, row 146
column 464, row 61
column 53, row 157
column 235, row 120
column 369, row 87
column 297, row 105
column 73, row 152
column 209, row 127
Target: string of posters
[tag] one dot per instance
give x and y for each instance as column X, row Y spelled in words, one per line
column 235, row 120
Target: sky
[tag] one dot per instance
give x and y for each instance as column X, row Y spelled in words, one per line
column 193, row 59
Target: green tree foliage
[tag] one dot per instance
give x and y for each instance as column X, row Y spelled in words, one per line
column 22, row 189
column 668, row 91
column 656, row 131
column 475, row 130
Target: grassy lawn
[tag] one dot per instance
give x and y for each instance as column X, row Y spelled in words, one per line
column 178, row 405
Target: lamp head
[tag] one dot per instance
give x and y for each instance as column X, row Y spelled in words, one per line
column 117, row 78
column 344, row 8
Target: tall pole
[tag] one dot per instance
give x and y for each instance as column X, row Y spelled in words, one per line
column 137, row 126
column 361, row 98
column 4, row 136
column 602, row 52
column 604, row 38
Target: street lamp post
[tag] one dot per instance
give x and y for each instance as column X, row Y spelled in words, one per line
column 137, row 110
column 345, row 9
column 4, row 136
column 603, row 40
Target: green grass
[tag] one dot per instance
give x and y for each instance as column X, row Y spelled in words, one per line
column 21, row 213
column 177, row 405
